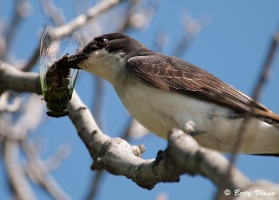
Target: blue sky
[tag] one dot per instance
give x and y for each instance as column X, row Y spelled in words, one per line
column 232, row 46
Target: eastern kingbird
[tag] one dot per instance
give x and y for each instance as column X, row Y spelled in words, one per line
column 163, row 92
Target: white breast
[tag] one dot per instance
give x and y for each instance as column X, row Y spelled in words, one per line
column 159, row 110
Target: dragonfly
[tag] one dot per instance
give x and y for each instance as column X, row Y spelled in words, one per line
column 57, row 80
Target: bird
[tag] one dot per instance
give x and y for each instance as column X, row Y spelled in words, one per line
column 164, row 92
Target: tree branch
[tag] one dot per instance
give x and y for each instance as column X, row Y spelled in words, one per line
column 11, row 78
column 82, row 19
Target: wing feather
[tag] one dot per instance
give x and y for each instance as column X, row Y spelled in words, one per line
column 172, row 74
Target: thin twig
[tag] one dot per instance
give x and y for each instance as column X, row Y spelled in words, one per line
column 16, row 19
column 255, row 96
column 52, row 12
column 17, row 178
column 192, row 27
column 32, row 61
column 39, row 172
column 95, row 185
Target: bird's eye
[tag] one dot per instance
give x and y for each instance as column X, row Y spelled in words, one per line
column 101, row 41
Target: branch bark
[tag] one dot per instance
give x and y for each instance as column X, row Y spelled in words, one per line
column 13, row 79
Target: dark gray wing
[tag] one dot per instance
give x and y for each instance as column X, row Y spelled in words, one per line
column 172, row 74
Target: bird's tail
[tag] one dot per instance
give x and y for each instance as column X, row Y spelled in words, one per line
column 257, row 137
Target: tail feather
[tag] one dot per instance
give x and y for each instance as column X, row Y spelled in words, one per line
column 259, row 138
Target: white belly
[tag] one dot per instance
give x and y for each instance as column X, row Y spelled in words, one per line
column 159, row 111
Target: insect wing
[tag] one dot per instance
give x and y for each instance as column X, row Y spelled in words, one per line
column 74, row 46
column 48, row 52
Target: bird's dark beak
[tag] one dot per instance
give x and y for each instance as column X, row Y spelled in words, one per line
column 73, row 60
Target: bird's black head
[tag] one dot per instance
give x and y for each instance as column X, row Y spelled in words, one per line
column 106, row 51
column 114, row 43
